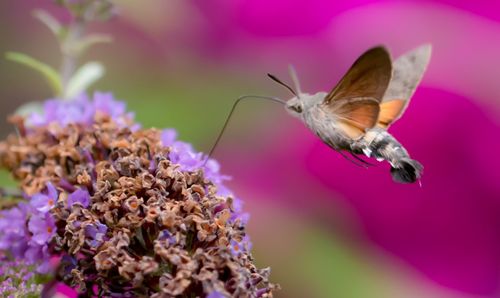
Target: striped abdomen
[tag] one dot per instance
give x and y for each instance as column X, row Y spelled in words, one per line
column 380, row 144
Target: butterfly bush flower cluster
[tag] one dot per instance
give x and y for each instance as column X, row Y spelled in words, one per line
column 114, row 210
column 17, row 279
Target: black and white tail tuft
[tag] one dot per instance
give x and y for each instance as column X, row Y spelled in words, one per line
column 406, row 170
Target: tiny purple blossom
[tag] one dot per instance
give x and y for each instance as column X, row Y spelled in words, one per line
column 78, row 110
column 216, row 294
column 166, row 235
column 45, row 202
column 14, row 280
column 13, row 230
column 68, row 263
column 182, row 153
column 39, row 255
column 243, row 218
column 96, row 233
column 168, row 137
column 105, row 103
column 81, row 110
column 238, row 248
column 79, row 196
column 43, row 228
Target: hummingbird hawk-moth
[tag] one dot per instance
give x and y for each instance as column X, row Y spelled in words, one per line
column 355, row 115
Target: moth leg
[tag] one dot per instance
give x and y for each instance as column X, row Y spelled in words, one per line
column 354, row 162
column 361, row 160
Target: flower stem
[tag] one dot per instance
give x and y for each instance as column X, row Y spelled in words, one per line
column 70, row 56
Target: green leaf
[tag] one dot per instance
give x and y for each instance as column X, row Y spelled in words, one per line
column 49, row 21
column 85, row 76
column 47, row 71
column 87, row 42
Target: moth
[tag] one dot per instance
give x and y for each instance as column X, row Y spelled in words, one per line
column 354, row 117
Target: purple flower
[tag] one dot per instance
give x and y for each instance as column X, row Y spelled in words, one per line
column 78, row 110
column 166, row 235
column 216, row 294
column 68, row 263
column 81, row 110
column 39, row 219
column 240, row 247
column 182, row 153
column 39, row 255
column 18, row 279
column 168, row 137
column 188, row 159
column 79, row 196
column 43, row 227
column 243, row 217
column 25, row 238
column 13, row 231
column 45, row 202
column 105, row 103
column 96, row 232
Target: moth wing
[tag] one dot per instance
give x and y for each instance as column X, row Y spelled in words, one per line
column 408, row 71
column 356, row 115
column 390, row 111
column 369, row 76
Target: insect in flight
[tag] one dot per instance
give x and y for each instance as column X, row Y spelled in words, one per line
column 355, row 115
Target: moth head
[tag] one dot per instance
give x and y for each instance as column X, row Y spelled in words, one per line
column 295, row 106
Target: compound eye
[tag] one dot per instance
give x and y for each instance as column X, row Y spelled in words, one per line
column 298, row 108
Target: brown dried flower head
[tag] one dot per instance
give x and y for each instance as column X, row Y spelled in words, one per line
column 138, row 213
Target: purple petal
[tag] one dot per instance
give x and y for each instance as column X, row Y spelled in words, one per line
column 168, row 137
column 42, row 227
column 41, row 203
column 52, row 191
column 79, row 196
column 216, row 294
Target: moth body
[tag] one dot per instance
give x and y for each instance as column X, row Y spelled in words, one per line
column 374, row 143
column 315, row 115
column 379, row 144
column 355, row 115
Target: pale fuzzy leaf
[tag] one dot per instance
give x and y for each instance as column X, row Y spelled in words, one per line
column 30, row 108
column 85, row 76
column 49, row 21
column 47, row 71
column 91, row 40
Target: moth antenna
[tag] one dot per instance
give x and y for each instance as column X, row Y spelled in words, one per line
column 295, row 78
column 238, row 100
column 274, row 78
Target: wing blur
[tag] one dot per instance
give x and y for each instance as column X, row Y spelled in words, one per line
column 356, row 98
column 408, row 71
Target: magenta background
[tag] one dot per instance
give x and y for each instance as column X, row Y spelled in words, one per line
column 448, row 229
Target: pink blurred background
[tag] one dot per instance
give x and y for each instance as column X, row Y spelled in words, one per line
column 325, row 226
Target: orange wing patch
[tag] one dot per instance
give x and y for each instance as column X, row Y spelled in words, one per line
column 355, row 116
column 351, row 129
column 390, row 111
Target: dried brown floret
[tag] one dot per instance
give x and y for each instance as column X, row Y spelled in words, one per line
column 151, row 229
